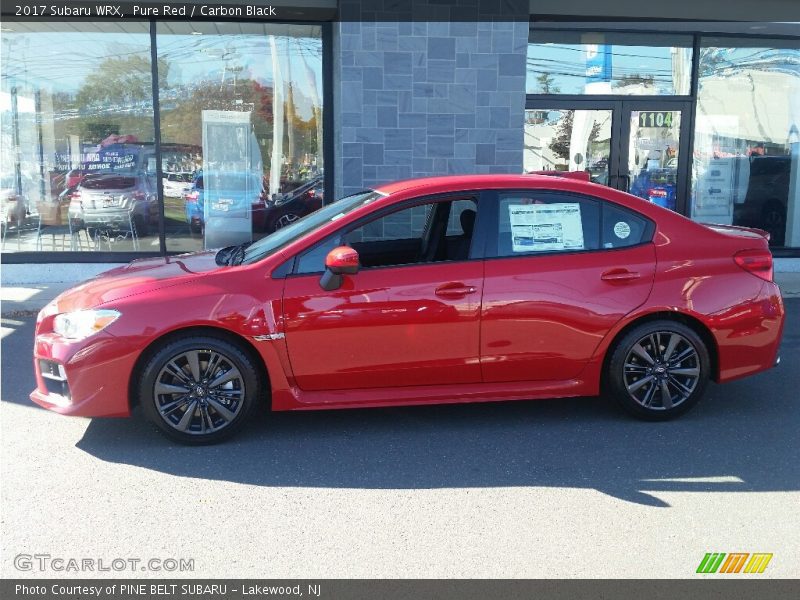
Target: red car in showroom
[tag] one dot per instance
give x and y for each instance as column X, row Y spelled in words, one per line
column 452, row 289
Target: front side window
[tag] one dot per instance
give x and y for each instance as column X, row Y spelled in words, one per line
column 433, row 232
column 307, row 225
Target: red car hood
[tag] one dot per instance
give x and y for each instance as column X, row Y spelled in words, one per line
column 137, row 277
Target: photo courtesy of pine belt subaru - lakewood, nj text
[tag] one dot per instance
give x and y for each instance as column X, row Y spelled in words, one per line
column 451, row 289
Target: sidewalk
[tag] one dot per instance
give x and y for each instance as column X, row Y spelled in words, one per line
column 22, row 301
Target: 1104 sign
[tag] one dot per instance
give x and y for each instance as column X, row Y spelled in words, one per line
column 656, row 118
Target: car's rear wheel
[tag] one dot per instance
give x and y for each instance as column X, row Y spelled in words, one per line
column 199, row 390
column 658, row 370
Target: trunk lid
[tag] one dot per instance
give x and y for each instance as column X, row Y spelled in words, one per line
column 739, row 231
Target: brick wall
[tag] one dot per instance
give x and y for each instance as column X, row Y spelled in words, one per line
column 414, row 99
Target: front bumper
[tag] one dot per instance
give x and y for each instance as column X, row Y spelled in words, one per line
column 87, row 378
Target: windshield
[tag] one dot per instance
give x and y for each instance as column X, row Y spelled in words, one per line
column 282, row 237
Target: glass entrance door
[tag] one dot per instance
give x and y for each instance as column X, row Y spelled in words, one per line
column 570, row 138
column 639, row 146
column 652, row 152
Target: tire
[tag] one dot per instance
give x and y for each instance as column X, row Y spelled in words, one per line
column 645, row 378
column 217, row 411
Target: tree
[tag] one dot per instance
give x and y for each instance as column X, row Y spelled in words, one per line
column 545, row 81
column 121, row 82
column 562, row 141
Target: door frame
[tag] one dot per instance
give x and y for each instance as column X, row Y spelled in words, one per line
column 621, row 107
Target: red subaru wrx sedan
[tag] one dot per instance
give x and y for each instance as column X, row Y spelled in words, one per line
column 452, row 289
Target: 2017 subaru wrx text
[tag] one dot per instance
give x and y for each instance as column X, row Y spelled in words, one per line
column 440, row 290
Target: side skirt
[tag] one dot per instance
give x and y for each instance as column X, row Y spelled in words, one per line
column 445, row 394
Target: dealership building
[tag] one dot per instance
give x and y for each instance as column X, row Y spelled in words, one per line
column 126, row 138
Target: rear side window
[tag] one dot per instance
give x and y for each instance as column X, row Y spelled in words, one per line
column 533, row 222
column 622, row 227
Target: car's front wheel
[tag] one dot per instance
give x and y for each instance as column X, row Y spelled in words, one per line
column 199, row 390
column 658, row 370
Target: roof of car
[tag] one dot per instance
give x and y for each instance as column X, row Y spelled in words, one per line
column 465, row 182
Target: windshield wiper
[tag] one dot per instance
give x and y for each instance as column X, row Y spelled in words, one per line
column 231, row 255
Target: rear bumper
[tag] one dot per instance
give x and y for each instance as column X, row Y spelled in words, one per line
column 95, row 374
column 749, row 336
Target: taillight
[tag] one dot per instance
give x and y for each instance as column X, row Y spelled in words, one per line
column 192, row 196
column 757, row 262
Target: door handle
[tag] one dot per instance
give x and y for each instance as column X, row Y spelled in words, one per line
column 455, row 289
column 620, row 275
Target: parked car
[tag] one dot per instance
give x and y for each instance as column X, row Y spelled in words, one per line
column 268, row 214
column 114, row 200
column 294, row 204
column 176, row 184
column 451, row 289
column 237, row 195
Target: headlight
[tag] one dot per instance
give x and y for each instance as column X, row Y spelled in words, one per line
column 83, row 323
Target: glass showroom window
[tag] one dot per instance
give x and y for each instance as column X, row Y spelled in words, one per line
column 77, row 167
column 241, row 129
column 746, row 168
column 578, row 62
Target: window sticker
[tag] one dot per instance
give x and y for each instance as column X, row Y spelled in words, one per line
column 622, row 230
column 546, row 227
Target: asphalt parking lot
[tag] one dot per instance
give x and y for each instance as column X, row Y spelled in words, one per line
column 561, row 488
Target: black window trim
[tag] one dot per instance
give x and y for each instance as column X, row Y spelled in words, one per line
column 492, row 203
column 478, row 238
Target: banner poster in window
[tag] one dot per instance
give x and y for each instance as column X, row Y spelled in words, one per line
column 546, row 227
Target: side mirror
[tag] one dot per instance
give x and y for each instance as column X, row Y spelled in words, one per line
column 342, row 260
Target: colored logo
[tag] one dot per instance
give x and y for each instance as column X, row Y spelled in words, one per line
column 735, row 562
